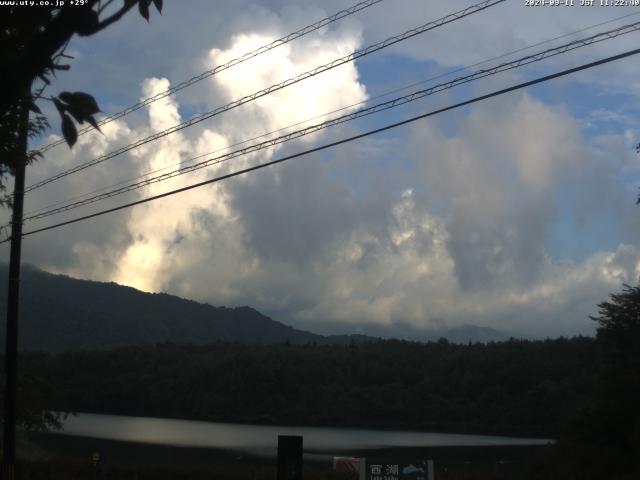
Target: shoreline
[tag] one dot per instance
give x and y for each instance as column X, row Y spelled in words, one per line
column 93, row 424
column 117, row 454
column 522, row 432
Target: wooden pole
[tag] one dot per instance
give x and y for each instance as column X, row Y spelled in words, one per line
column 13, row 297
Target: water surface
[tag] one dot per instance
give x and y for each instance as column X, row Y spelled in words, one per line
column 261, row 438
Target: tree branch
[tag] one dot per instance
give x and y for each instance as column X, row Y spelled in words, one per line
column 128, row 5
column 102, row 8
column 37, row 55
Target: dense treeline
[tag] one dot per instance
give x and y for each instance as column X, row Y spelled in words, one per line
column 514, row 387
column 604, row 441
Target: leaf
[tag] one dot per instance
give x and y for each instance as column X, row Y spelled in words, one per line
column 93, row 123
column 80, row 105
column 66, row 97
column 85, row 102
column 59, row 105
column 34, row 108
column 143, row 6
column 69, row 130
column 44, row 79
column 158, row 4
column 34, row 155
column 88, row 23
column 78, row 118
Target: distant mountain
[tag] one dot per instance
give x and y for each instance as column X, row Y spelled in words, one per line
column 407, row 331
column 474, row 333
column 59, row 313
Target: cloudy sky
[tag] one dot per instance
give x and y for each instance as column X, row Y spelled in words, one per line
column 515, row 213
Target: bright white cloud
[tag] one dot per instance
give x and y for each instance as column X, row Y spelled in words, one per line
column 460, row 236
column 168, row 233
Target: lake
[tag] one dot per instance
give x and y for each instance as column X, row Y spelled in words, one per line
column 260, row 439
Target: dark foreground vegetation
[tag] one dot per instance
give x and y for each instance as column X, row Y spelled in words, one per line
column 583, row 391
column 515, row 387
column 123, row 460
column 68, row 470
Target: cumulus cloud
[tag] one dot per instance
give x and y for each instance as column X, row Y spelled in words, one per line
column 90, row 250
column 468, row 245
column 443, row 224
column 496, row 180
column 510, row 26
column 167, row 233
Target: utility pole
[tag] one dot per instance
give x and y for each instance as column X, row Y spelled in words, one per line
column 13, row 296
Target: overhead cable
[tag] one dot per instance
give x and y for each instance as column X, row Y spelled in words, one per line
column 552, row 52
column 273, row 88
column 341, row 109
column 339, row 142
column 231, row 63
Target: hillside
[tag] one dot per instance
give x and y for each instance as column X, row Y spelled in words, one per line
column 60, row 313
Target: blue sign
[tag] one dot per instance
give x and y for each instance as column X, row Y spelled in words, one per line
column 398, row 470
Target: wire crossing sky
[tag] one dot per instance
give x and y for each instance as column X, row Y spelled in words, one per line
column 452, row 17
column 516, row 214
column 341, row 109
column 562, row 49
column 346, row 140
column 231, row 63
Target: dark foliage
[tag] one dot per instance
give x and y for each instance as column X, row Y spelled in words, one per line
column 604, row 442
column 515, row 387
column 33, row 399
column 33, row 39
column 73, row 470
column 32, row 49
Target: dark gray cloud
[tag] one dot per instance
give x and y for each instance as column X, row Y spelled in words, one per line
column 444, row 224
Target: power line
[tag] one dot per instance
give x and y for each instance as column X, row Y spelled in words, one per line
column 376, row 97
column 340, row 142
column 358, row 114
column 599, row 37
column 504, row 55
column 231, row 63
column 273, row 88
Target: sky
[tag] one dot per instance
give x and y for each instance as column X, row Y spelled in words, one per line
column 516, row 213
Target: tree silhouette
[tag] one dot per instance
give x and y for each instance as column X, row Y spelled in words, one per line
column 33, row 39
column 32, row 49
column 605, row 441
column 619, row 340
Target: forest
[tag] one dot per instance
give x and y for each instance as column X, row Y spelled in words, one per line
column 518, row 387
column 582, row 391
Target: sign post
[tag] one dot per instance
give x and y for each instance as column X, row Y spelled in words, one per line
column 289, row 457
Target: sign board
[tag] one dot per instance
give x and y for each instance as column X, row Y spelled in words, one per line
column 397, row 470
column 348, row 464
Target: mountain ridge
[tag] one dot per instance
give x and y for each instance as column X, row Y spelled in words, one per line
column 60, row 313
